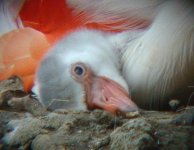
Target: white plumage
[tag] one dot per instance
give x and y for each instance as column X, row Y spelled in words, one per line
column 159, row 64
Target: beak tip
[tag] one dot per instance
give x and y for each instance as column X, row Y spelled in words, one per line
column 132, row 114
column 130, row 111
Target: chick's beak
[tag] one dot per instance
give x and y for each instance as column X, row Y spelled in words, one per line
column 106, row 94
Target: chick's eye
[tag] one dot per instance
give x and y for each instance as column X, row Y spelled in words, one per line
column 79, row 70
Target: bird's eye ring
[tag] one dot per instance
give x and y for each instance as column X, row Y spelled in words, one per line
column 78, row 70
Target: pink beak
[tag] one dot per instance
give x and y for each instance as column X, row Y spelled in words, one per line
column 106, row 94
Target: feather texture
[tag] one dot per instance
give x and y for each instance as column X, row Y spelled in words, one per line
column 160, row 63
column 117, row 15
